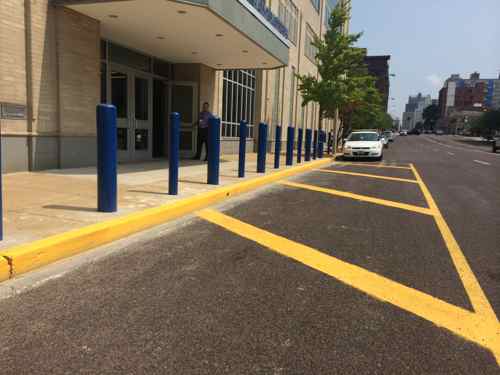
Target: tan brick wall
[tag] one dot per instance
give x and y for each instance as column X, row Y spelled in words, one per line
column 12, row 60
column 78, row 39
column 43, row 67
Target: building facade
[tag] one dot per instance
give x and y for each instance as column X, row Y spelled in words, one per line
column 378, row 66
column 460, row 94
column 414, row 110
column 60, row 58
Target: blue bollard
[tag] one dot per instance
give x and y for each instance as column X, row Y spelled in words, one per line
column 308, row 144
column 289, row 145
column 277, row 147
column 315, row 145
column 213, row 150
column 321, row 142
column 299, row 145
column 329, row 143
column 173, row 153
column 243, row 148
column 106, row 158
column 262, row 148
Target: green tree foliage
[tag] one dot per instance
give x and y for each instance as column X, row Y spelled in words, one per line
column 431, row 115
column 488, row 123
column 344, row 86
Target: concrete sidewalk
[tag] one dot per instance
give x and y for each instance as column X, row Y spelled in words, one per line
column 41, row 204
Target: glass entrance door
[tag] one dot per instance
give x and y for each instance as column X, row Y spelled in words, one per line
column 183, row 99
column 131, row 93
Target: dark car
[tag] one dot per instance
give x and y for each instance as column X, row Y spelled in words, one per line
column 414, row 132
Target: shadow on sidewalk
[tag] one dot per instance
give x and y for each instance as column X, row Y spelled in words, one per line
column 69, row 208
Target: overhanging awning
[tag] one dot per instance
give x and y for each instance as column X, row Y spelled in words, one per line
column 220, row 34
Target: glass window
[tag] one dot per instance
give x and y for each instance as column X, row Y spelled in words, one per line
column 127, row 57
column 122, row 138
column 104, row 50
column 289, row 16
column 182, row 102
column 141, row 99
column 238, row 101
column 141, row 139
column 329, row 7
column 161, row 68
column 119, row 93
column 315, row 4
column 104, row 83
column 310, row 50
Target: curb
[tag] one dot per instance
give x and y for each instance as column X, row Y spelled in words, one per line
column 4, row 269
column 26, row 257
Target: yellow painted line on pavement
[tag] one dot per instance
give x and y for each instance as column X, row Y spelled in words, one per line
column 476, row 295
column 359, row 197
column 461, row 322
column 377, row 165
column 369, row 175
column 26, row 257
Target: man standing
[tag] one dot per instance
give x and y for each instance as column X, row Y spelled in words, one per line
column 205, row 116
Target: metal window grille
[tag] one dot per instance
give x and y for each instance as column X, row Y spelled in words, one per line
column 238, row 101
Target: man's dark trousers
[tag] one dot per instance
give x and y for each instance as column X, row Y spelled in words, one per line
column 202, row 138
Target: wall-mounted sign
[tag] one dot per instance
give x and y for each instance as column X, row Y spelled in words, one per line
column 12, row 111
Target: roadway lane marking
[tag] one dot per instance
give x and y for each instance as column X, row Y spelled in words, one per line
column 369, row 175
column 364, row 198
column 377, row 165
column 481, row 162
column 476, row 295
column 450, row 153
column 461, row 322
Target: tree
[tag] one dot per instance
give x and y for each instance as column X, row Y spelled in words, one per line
column 431, row 115
column 488, row 123
column 343, row 85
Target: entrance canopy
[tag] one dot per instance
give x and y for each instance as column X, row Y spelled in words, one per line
column 220, row 34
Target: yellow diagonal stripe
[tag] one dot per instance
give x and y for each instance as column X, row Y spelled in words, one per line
column 378, row 165
column 461, row 322
column 364, row 198
column 368, row 175
column 476, row 295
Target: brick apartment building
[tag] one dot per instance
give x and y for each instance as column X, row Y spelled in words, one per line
column 378, row 66
column 60, row 58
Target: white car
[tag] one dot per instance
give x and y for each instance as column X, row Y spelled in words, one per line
column 364, row 144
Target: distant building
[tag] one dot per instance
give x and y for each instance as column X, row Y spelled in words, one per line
column 462, row 99
column 378, row 66
column 475, row 92
column 414, row 110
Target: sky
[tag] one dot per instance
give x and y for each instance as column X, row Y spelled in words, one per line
column 429, row 40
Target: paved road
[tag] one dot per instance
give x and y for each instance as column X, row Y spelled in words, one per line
column 359, row 269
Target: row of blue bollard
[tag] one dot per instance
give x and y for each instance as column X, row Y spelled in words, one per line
column 107, row 154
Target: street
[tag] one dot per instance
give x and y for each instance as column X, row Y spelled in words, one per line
column 357, row 268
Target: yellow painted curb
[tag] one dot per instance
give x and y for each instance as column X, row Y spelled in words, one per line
column 4, row 269
column 26, row 257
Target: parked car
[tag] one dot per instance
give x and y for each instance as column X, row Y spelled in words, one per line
column 389, row 135
column 364, row 144
column 439, row 132
column 414, row 132
column 404, row 133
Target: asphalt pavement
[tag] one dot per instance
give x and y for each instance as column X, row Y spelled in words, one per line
column 346, row 270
